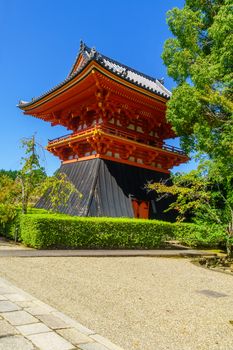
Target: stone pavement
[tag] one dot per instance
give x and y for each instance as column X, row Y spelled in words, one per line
column 27, row 323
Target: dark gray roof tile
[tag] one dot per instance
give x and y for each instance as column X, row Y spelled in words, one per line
column 127, row 73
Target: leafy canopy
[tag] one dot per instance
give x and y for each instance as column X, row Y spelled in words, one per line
column 32, row 173
column 9, row 191
column 10, row 173
column 200, row 59
column 31, row 183
column 203, row 194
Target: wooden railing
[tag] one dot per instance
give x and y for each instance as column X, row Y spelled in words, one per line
column 70, row 136
column 138, row 137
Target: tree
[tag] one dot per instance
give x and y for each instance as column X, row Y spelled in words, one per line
column 204, row 195
column 57, row 189
column 199, row 59
column 10, row 173
column 32, row 173
column 9, row 191
column 29, row 185
column 34, row 182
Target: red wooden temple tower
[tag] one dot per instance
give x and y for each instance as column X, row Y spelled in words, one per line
column 117, row 118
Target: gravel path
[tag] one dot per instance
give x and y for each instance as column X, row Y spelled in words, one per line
column 139, row 303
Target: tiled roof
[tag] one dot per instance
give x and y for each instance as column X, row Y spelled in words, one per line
column 125, row 72
column 122, row 70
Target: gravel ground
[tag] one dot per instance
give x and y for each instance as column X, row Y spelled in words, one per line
column 138, row 303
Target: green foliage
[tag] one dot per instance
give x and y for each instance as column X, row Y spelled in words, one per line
column 57, row 189
column 31, row 182
column 190, row 191
column 8, row 214
column 32, row 210
column 43, row 231
column 9, row 190
column 27, row 187
column 62, row 231
column 9, row 173
column 201, row 235
column 199, row 58
column 32, row 173
column 204, row 195
column 35, row 183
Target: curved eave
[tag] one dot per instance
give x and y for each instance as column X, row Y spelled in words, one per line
column 80, row 75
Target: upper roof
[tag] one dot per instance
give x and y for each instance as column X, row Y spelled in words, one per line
column 86, row 55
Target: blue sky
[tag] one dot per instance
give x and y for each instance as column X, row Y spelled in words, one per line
column 39, row 43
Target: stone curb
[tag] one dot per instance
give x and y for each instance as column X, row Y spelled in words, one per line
column 26, row 323
column 103, row 253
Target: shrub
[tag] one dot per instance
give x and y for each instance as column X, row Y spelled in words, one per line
column 195, row 235
column 8, row 214
column 10, row 218
column 44, row 230
column 47, row 230
column 32, row 210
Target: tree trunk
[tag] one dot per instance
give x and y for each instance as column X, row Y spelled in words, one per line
column 229, row 244
column 24, row 198
column 24, row 207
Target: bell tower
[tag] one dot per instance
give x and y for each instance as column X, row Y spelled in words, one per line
column 116, row 116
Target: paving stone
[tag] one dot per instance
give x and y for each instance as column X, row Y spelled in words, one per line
column 34, row 328
column 40, row 303
column 53, row 321
column 74, row 324
column 50, row 341
column 69, row 333
column 15, row 343
column 38, row 310
column 105, row 342
column 18, row 318
column 6, row 290
column 6, row 306
column 16, row 297
column 74, row 336
column 25, row 304
column 92, row 346
column 83, row 329
column 6, row 329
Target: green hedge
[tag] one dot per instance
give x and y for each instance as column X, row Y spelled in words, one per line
column 62, row 231
column 11, row 227
column 201, row 236
column 9, row 221
column 43, row 231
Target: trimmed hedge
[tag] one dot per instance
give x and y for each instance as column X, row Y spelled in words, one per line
column 11, row 229
column 43, row 231
column 194, row 235
column 63, row 231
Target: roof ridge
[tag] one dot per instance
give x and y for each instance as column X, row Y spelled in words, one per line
column 91, row 54
column 84, row 46
column 100, row 57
